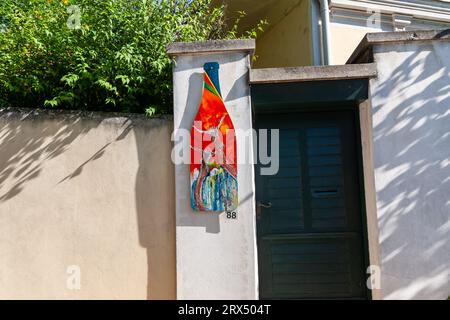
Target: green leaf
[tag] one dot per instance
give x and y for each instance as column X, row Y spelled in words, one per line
column 150, row 111
column 70, row 79
column 51, row 103
column 125, row 80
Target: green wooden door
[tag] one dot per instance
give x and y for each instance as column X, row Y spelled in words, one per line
column 310, row 235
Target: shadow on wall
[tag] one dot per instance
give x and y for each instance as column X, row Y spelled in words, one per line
column 30, row 138
column 155, row 180
column 412, row 161
column 22, row 152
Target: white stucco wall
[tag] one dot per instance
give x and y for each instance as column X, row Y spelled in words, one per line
column 411, row 130
column 216, row 256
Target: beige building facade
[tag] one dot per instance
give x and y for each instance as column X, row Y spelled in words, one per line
column 295, row 33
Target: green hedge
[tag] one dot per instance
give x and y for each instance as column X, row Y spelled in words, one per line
column 99, row 54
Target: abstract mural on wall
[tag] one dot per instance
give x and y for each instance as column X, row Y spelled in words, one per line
column 213, row 168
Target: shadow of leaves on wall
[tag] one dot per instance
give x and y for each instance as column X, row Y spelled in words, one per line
column 24, row 148
column 29, row 139
column 412, row 167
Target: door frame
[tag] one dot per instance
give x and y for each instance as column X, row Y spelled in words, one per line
column 341, row 94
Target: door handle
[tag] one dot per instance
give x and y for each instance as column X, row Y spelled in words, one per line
column 265, row 204
column 260, row 205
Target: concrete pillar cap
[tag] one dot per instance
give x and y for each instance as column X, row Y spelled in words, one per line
column 210, row 46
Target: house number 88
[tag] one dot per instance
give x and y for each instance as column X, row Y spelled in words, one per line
column 231, row 215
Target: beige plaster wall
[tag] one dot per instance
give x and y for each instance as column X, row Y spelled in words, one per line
column 345, row 39
column 288, row 42
column 92, row 191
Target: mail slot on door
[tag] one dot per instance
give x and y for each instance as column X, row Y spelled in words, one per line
column 324, row 192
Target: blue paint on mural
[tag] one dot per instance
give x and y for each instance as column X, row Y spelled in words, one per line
column 219, row 190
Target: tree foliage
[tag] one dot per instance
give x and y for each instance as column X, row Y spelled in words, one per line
column 99, row 54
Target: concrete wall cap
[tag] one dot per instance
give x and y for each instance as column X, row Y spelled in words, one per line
column 377, row 38
column 210, row 46
column 75, row 115
column 313, row 73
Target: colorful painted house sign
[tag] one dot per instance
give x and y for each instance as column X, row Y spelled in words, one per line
column 213, row 168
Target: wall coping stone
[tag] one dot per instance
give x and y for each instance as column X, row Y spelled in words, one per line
column 313, row 73
column 211, row 46
column 71, row 115
column 363, row 53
